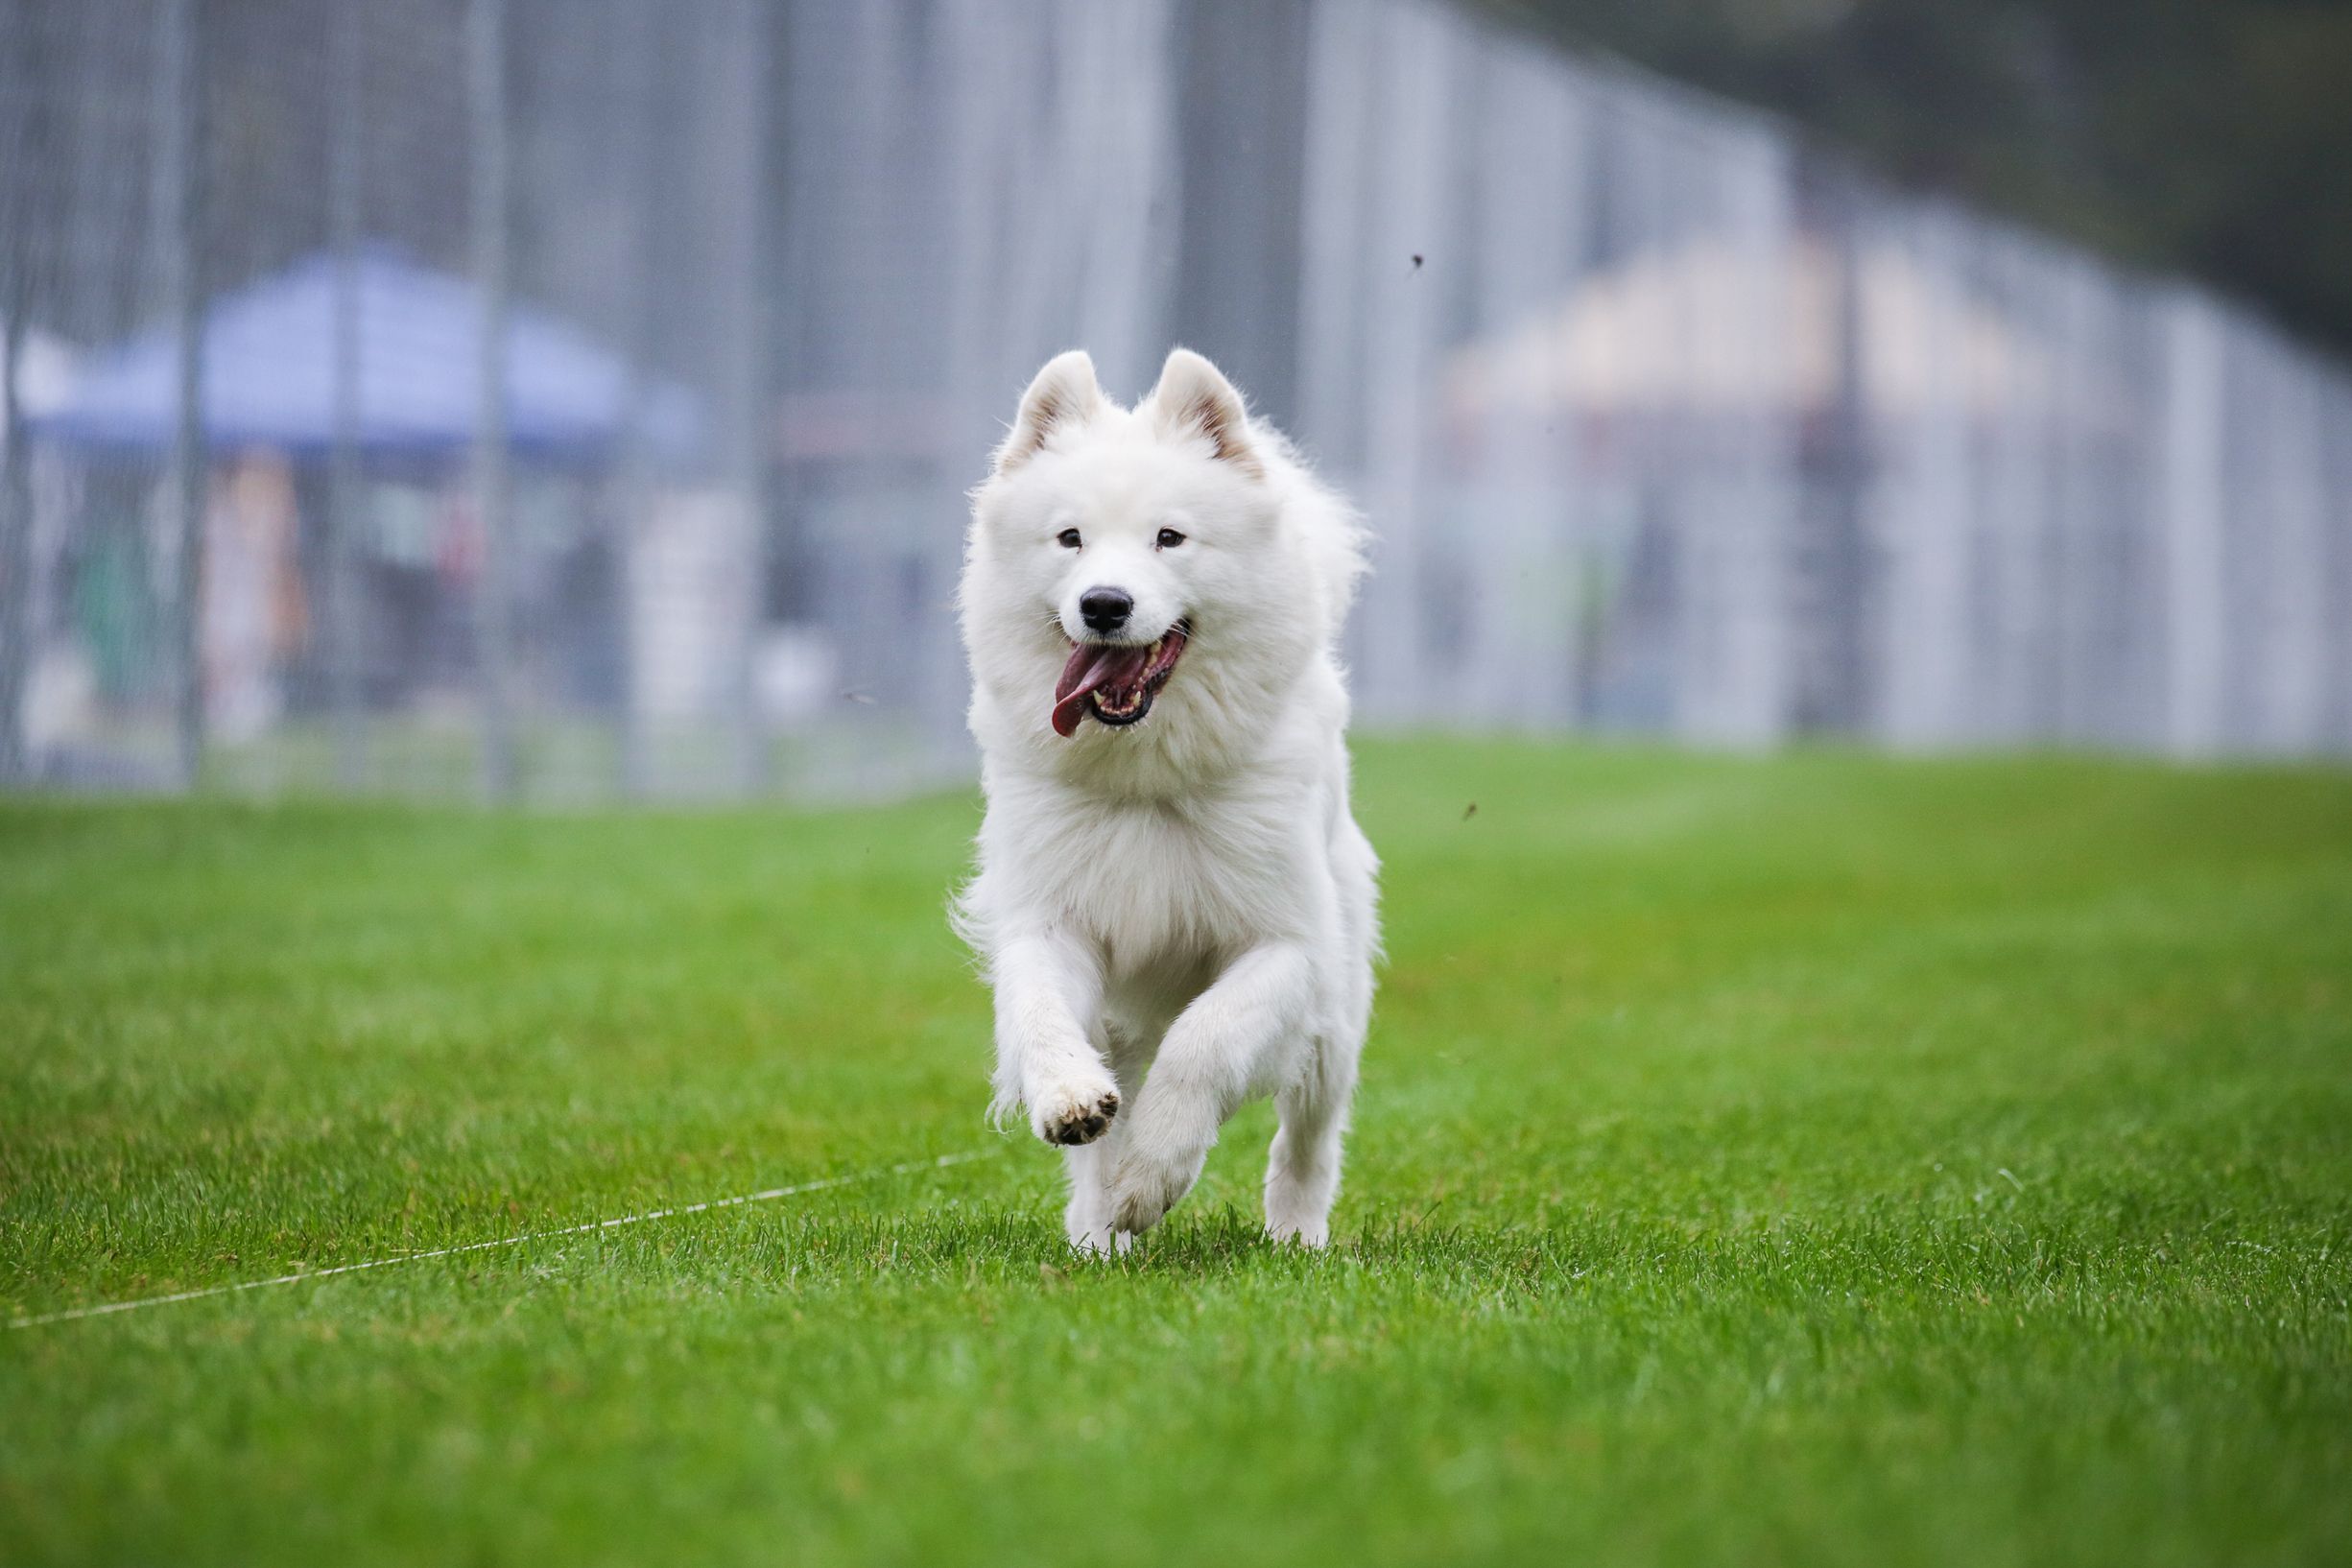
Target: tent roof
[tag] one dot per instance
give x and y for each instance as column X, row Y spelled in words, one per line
column 268, row 374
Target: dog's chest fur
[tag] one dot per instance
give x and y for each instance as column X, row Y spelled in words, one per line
column 1162, row 887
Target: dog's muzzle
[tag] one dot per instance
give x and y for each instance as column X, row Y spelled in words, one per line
column 1114, row 682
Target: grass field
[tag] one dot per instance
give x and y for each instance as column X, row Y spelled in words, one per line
column 1814, row 1160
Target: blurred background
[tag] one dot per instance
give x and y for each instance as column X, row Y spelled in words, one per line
column 572, row 399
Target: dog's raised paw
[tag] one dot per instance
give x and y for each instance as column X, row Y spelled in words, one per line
column 1076, row 1118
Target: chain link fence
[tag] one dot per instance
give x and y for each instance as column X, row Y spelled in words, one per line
column 565, row 399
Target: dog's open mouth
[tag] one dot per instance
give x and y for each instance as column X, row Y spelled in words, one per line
column 1114, row 682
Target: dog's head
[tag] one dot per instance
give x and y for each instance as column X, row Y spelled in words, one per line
column 1119, row 556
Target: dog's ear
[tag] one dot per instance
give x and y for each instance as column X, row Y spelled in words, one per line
column 1065, row 393
column 1195, row 400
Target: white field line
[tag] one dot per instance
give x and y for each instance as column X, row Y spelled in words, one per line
column 770, row 1195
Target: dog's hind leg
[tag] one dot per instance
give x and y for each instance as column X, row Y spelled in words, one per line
column 1303, row 1170
column 1227, row 1042
column 1087, row 1221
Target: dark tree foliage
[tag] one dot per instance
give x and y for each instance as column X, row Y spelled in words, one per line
column 2209, row 136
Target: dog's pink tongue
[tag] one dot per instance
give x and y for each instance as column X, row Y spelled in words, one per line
column 1093, row 666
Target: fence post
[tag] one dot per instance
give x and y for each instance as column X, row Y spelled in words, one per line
column 341, row 631
column 181, row 185
column 487, row 89
column 643, row 81
column 742, row 125
column 1832, row 679
column 15, row 501
column 2189, row 529
column 16, row 519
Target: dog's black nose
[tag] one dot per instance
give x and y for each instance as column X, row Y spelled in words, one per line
column 1106, row 609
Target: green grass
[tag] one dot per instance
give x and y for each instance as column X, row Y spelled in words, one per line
column 1813, row 1160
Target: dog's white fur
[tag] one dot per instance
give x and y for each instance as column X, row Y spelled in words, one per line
column 1178, row 915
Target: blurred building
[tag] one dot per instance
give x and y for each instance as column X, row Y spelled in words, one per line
column 1665, row 422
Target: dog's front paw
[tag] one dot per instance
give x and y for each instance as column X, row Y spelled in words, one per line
column 1144, row 1188
column 1074, row 1111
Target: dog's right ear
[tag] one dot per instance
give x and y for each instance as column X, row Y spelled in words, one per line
column 1065, row 393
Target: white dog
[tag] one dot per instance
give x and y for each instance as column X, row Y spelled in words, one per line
column 1170, row 881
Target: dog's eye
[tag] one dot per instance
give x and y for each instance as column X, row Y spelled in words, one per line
column 1170, row 538
column 1068, row 538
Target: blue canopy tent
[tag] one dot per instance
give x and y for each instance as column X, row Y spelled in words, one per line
column 270, row 376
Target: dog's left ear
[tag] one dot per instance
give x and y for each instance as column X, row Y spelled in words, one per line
column 1195, row 400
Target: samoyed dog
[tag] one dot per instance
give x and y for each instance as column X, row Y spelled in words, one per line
column 1173, row 904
